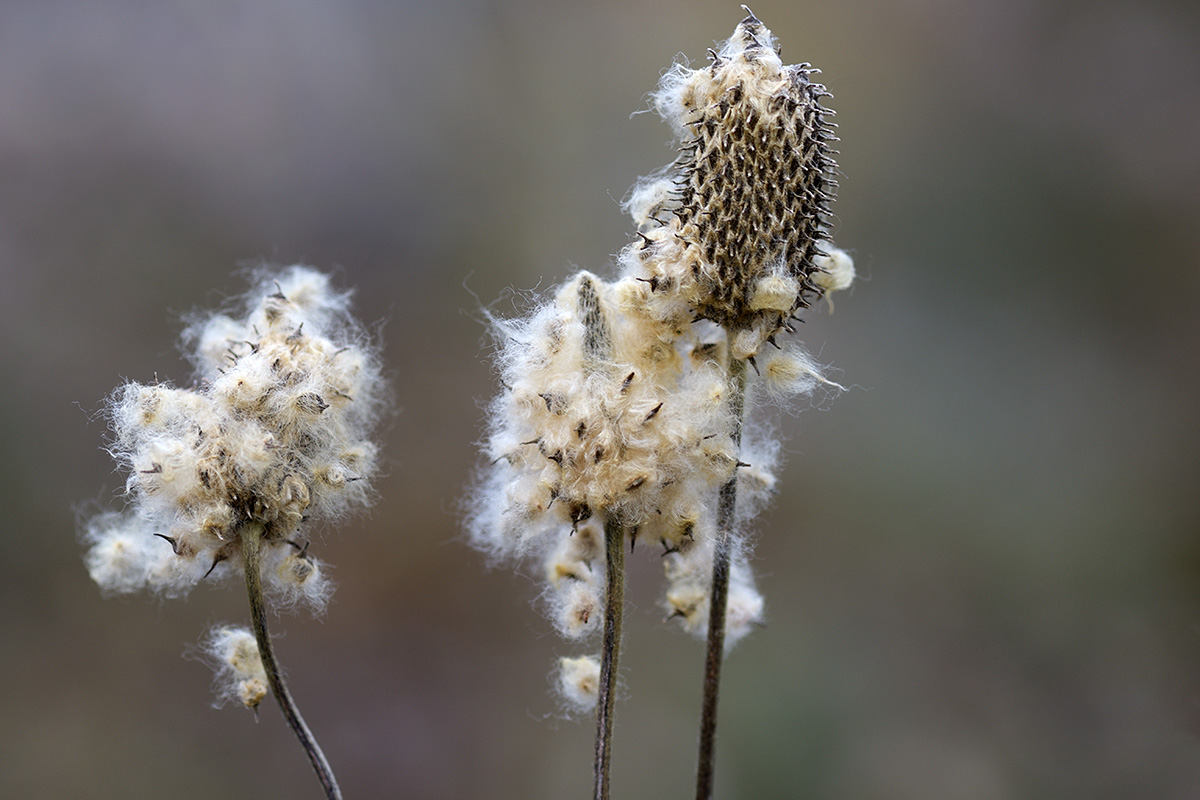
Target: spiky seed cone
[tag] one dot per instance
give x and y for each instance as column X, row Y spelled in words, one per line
column 755, row 183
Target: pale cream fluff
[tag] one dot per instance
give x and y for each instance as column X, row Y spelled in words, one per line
column 275, row 431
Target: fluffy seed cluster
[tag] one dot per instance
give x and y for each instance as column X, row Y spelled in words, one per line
column 240, row 675
column 689, row 578
column 618, row 402
column 603, row 412
column 275, row 431
column 607, row 416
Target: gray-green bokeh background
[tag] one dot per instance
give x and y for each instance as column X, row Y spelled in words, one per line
column 983, row 567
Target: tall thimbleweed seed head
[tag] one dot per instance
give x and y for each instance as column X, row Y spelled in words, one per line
column 608, row 417
column 601, row 413
column 738, row 225
column 275, row 431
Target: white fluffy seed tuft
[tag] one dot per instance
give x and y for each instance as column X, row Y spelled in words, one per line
column 240, row 675
column 689, row 579
column 275, row 432
column 579, row 682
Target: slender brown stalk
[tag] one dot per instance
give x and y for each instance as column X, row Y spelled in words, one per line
column 720, row 595
column 251, row 534
column 614, row 608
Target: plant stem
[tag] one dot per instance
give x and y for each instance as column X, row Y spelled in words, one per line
column 614, row 607
column 720, row 594
column 251, row 534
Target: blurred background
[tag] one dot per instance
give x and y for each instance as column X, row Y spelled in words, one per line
column 983, row 567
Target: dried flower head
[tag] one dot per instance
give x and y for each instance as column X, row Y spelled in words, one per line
column 601, row 412
column 745, row 236
column 275, row 431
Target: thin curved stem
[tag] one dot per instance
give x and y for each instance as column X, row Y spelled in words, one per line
column 251, row 550
column 719, row 597
column 614, row 608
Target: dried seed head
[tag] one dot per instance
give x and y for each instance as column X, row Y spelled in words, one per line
column 748, row 198
column 607, row 414
column 600, row 413
column 276, row 430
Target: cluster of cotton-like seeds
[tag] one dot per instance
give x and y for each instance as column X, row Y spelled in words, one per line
column 617, row 401
column 689, row 579
column 274, row 432
column 607, row 417
column 601, row 415
column 235, row 657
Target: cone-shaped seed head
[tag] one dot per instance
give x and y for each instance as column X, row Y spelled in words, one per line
column 752, row 185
